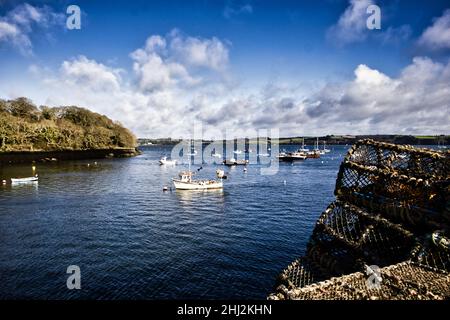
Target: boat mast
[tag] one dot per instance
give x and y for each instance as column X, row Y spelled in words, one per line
column 190, row 155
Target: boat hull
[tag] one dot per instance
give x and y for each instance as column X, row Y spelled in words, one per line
column 290, row 158
column 235, row 162
column 167, row 162
column 24, row 180
column 197, row 185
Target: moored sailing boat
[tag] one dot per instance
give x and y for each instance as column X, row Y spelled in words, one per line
column 315, row 153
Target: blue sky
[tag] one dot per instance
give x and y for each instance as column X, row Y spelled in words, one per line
column 302, row 66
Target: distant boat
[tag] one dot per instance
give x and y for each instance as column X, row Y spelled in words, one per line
column 313, row 154
column 237, row 152
column 325, row 150
column 316, row 152
column 291, row 156
column 234, row 162
column 165, row 161
column 263, row 155
column 303, row 149
column 216, row 155
column 25, row 180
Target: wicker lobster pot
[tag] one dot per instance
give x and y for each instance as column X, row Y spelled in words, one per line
column 391, row 200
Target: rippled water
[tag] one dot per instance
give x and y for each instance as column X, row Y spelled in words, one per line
column 134, row 241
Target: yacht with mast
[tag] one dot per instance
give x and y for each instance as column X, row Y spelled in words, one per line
column 314, row 153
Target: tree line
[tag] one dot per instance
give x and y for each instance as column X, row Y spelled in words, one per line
column 26, row 127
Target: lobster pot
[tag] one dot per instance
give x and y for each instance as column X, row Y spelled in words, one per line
column 402, row 281
column 373, row 239
column 299, row 274
column 414, row 202
column 392, row 213
column 432, row 255
column 404, row 160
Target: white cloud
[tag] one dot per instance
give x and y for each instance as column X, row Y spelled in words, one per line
column 437, row 36
column 351, row 26
column 210, row 53
column 177, row 60
column 8, row 30
column 415, row 102
column 17, row 25
column 233, row 9
column 85, row 72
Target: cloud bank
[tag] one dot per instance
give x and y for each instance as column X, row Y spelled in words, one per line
column 416, row 101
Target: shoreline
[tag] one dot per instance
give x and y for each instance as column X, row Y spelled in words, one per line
column 13, row 157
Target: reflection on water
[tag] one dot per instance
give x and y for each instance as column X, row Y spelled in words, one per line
column 213, row 196
column 131, row 239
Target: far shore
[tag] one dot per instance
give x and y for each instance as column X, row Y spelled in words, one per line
column 10, row 157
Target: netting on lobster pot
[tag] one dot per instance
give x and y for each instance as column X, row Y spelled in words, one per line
column 420, row 202
column 405, row 160
column 374, row 239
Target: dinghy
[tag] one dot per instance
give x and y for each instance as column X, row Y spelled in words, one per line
column 25, row 180
column 165, row 161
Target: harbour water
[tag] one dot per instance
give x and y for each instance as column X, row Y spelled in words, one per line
column 131, row 240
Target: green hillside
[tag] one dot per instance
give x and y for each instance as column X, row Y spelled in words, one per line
column 26, row 127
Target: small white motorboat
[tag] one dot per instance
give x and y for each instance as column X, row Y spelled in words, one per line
column 263, row 155
column 25, row 180
column 216, row 155
column 165, row 161
column 187, row 183
column 237, row 152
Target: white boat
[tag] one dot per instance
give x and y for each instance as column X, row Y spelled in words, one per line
column 303, row 149
column 25, row 180
column 234, row 162
column 263, row 155
column 187, row 183
column 325, row 150
column 165, row 161
column 216, row 155
column 237, row 152
column 291, row 156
